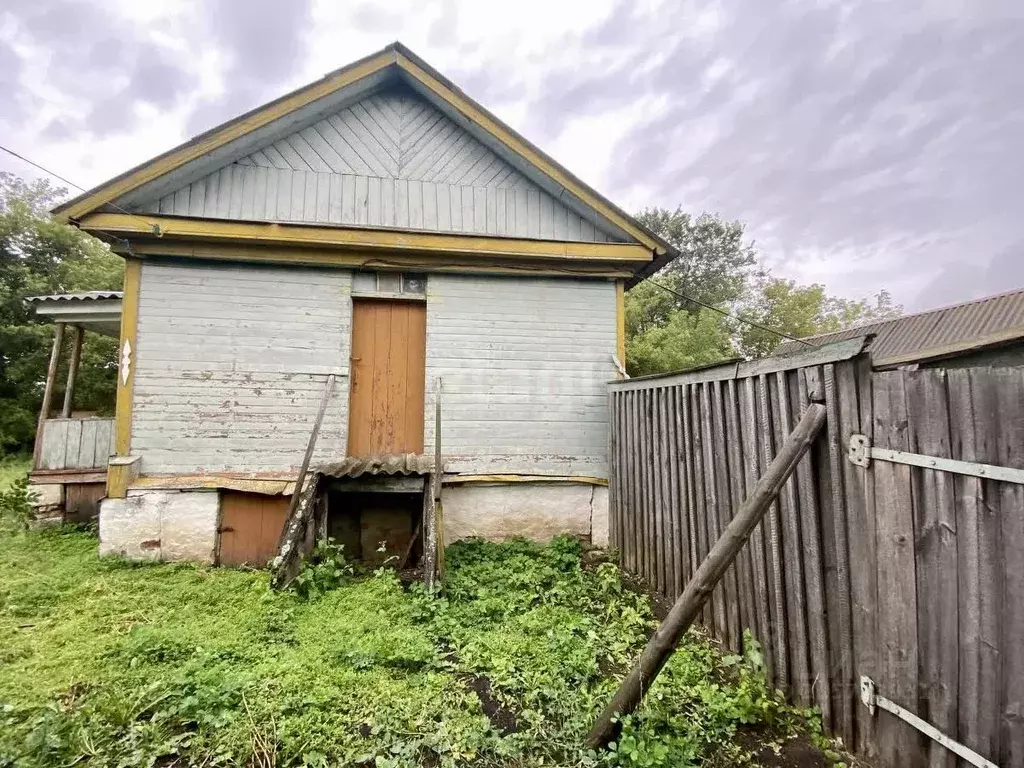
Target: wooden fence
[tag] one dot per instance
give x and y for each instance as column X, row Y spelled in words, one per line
column 913, row 577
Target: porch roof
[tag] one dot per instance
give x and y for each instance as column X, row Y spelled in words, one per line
column 98, row 311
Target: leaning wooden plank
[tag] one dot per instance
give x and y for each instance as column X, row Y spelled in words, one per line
column 722, row 554
column 814, row 571
column 796, row 604
column 1010, row 425
column 773, row 550
column 284, row 567
column 840, row 609
column 898, row 743
column 935, row 546
column 310, row 447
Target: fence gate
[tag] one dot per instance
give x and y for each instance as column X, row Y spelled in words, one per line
column 874, row 563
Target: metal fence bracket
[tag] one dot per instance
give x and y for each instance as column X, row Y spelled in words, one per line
column 872, row 701
column 861, row 453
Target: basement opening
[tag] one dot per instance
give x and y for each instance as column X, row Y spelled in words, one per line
column 376, row 525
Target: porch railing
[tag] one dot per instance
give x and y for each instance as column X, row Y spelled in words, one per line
column 75, row 444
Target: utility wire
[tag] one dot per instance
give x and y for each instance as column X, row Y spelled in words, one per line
column 729, row 314
column 47, row 171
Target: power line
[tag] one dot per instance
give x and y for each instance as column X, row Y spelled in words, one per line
column 47, row 171
column 729, row 314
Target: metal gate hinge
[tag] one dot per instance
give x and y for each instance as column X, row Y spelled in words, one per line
column 861, row 453
column 872, row 700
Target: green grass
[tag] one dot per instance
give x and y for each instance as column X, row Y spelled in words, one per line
column 114, row 663
column 12, row 468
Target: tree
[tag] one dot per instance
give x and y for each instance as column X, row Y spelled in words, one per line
column 669, row 329
column 802, row 310
column 40, row 256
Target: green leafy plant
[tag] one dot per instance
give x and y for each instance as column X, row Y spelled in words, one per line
column 325, row 569
column 16, row 506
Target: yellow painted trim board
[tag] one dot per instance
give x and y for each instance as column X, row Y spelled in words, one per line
column 127, row 356
column 232, row 130
column 620, row 321
column 390, row 240
column 320, row 257
column 501, row 133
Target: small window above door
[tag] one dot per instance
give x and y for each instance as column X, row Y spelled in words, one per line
column 390, row 285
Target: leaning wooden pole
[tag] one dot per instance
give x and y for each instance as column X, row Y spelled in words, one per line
column 721, row 556
column 51, row 379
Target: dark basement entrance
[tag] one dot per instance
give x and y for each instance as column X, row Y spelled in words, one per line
column 375, row 521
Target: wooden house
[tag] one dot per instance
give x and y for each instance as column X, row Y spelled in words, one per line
column 381, row 226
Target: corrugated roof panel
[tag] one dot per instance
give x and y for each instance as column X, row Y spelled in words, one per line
column 938, row 332
column 80, row 296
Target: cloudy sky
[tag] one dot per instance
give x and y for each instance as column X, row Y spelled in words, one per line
column 866, row 144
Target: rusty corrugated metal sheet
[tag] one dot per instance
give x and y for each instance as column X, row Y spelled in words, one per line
column 392, row 464
column 937, row 333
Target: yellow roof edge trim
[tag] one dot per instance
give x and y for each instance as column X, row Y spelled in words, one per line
column 395, row 240
column 403, row 60
column 223, row 134
column 494, row 127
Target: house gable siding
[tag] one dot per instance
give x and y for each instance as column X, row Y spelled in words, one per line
column 391, row 160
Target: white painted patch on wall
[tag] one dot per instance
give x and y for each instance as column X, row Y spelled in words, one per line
column 161, row 525
column 537, row 511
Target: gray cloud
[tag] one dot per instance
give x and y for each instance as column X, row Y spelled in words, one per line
column 99, row 60
column 836, row 128
column 263, row 40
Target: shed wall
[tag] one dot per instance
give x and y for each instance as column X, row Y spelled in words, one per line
column 524, row 364
column 231, row 363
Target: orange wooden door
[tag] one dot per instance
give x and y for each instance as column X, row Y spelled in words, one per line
column 250, row 527
column 388, row 377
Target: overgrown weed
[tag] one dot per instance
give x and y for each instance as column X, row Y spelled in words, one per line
column 110, row 663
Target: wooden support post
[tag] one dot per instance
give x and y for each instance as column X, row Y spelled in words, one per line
column 433, row 525
column 51, row 378
column 721, row 556
column 76, row 359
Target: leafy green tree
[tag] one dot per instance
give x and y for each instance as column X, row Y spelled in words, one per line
column 687, row 340
column 802, row 310
column 40, row 256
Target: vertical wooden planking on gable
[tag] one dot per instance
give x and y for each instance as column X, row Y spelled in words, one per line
column 401, row 203
column 970, row 406
column 547, row 226
column 533, row 212
column 501, row 212
column 248, row 199
column 309, row 197
column 522, row 217
column 455, row 208
column 223, row 202
column 259, row 195
column 751, row 474
column 898, row 743
column 773, row 550
column 814, row 572
column 491, row 210
column 468, row 216
column 373, row 202
column 935, row 546
column 479, row 209
column 429, row 205
column 415, row 204
column 362, row 190
column 1009, row 429
column 834, row 537
column 444, row 208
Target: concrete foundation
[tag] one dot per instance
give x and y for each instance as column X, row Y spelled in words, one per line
column 161, row 525
column 538, row 511
column 48, row 505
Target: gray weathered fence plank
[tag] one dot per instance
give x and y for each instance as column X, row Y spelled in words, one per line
column 711, row 470
column 675, row 507
column 835, row 531
column 700, row 499
column 796, row 605
column 723, row 494
column 638, row 491
column 1010, row 426
column 898, row 743
column 647, row 487
column 660, row 470
column 814, row 578
column 935, row 545
column 774, row 549
column 691, row 483
column 752, row 471
column 734, row 443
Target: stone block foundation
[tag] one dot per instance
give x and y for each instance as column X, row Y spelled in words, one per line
column 161, row 525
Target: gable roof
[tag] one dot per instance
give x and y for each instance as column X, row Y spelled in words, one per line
column 395, row 64
column 935, row 333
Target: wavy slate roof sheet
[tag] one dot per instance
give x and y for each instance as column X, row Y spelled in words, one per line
column 80, row 296
column 937, row 333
